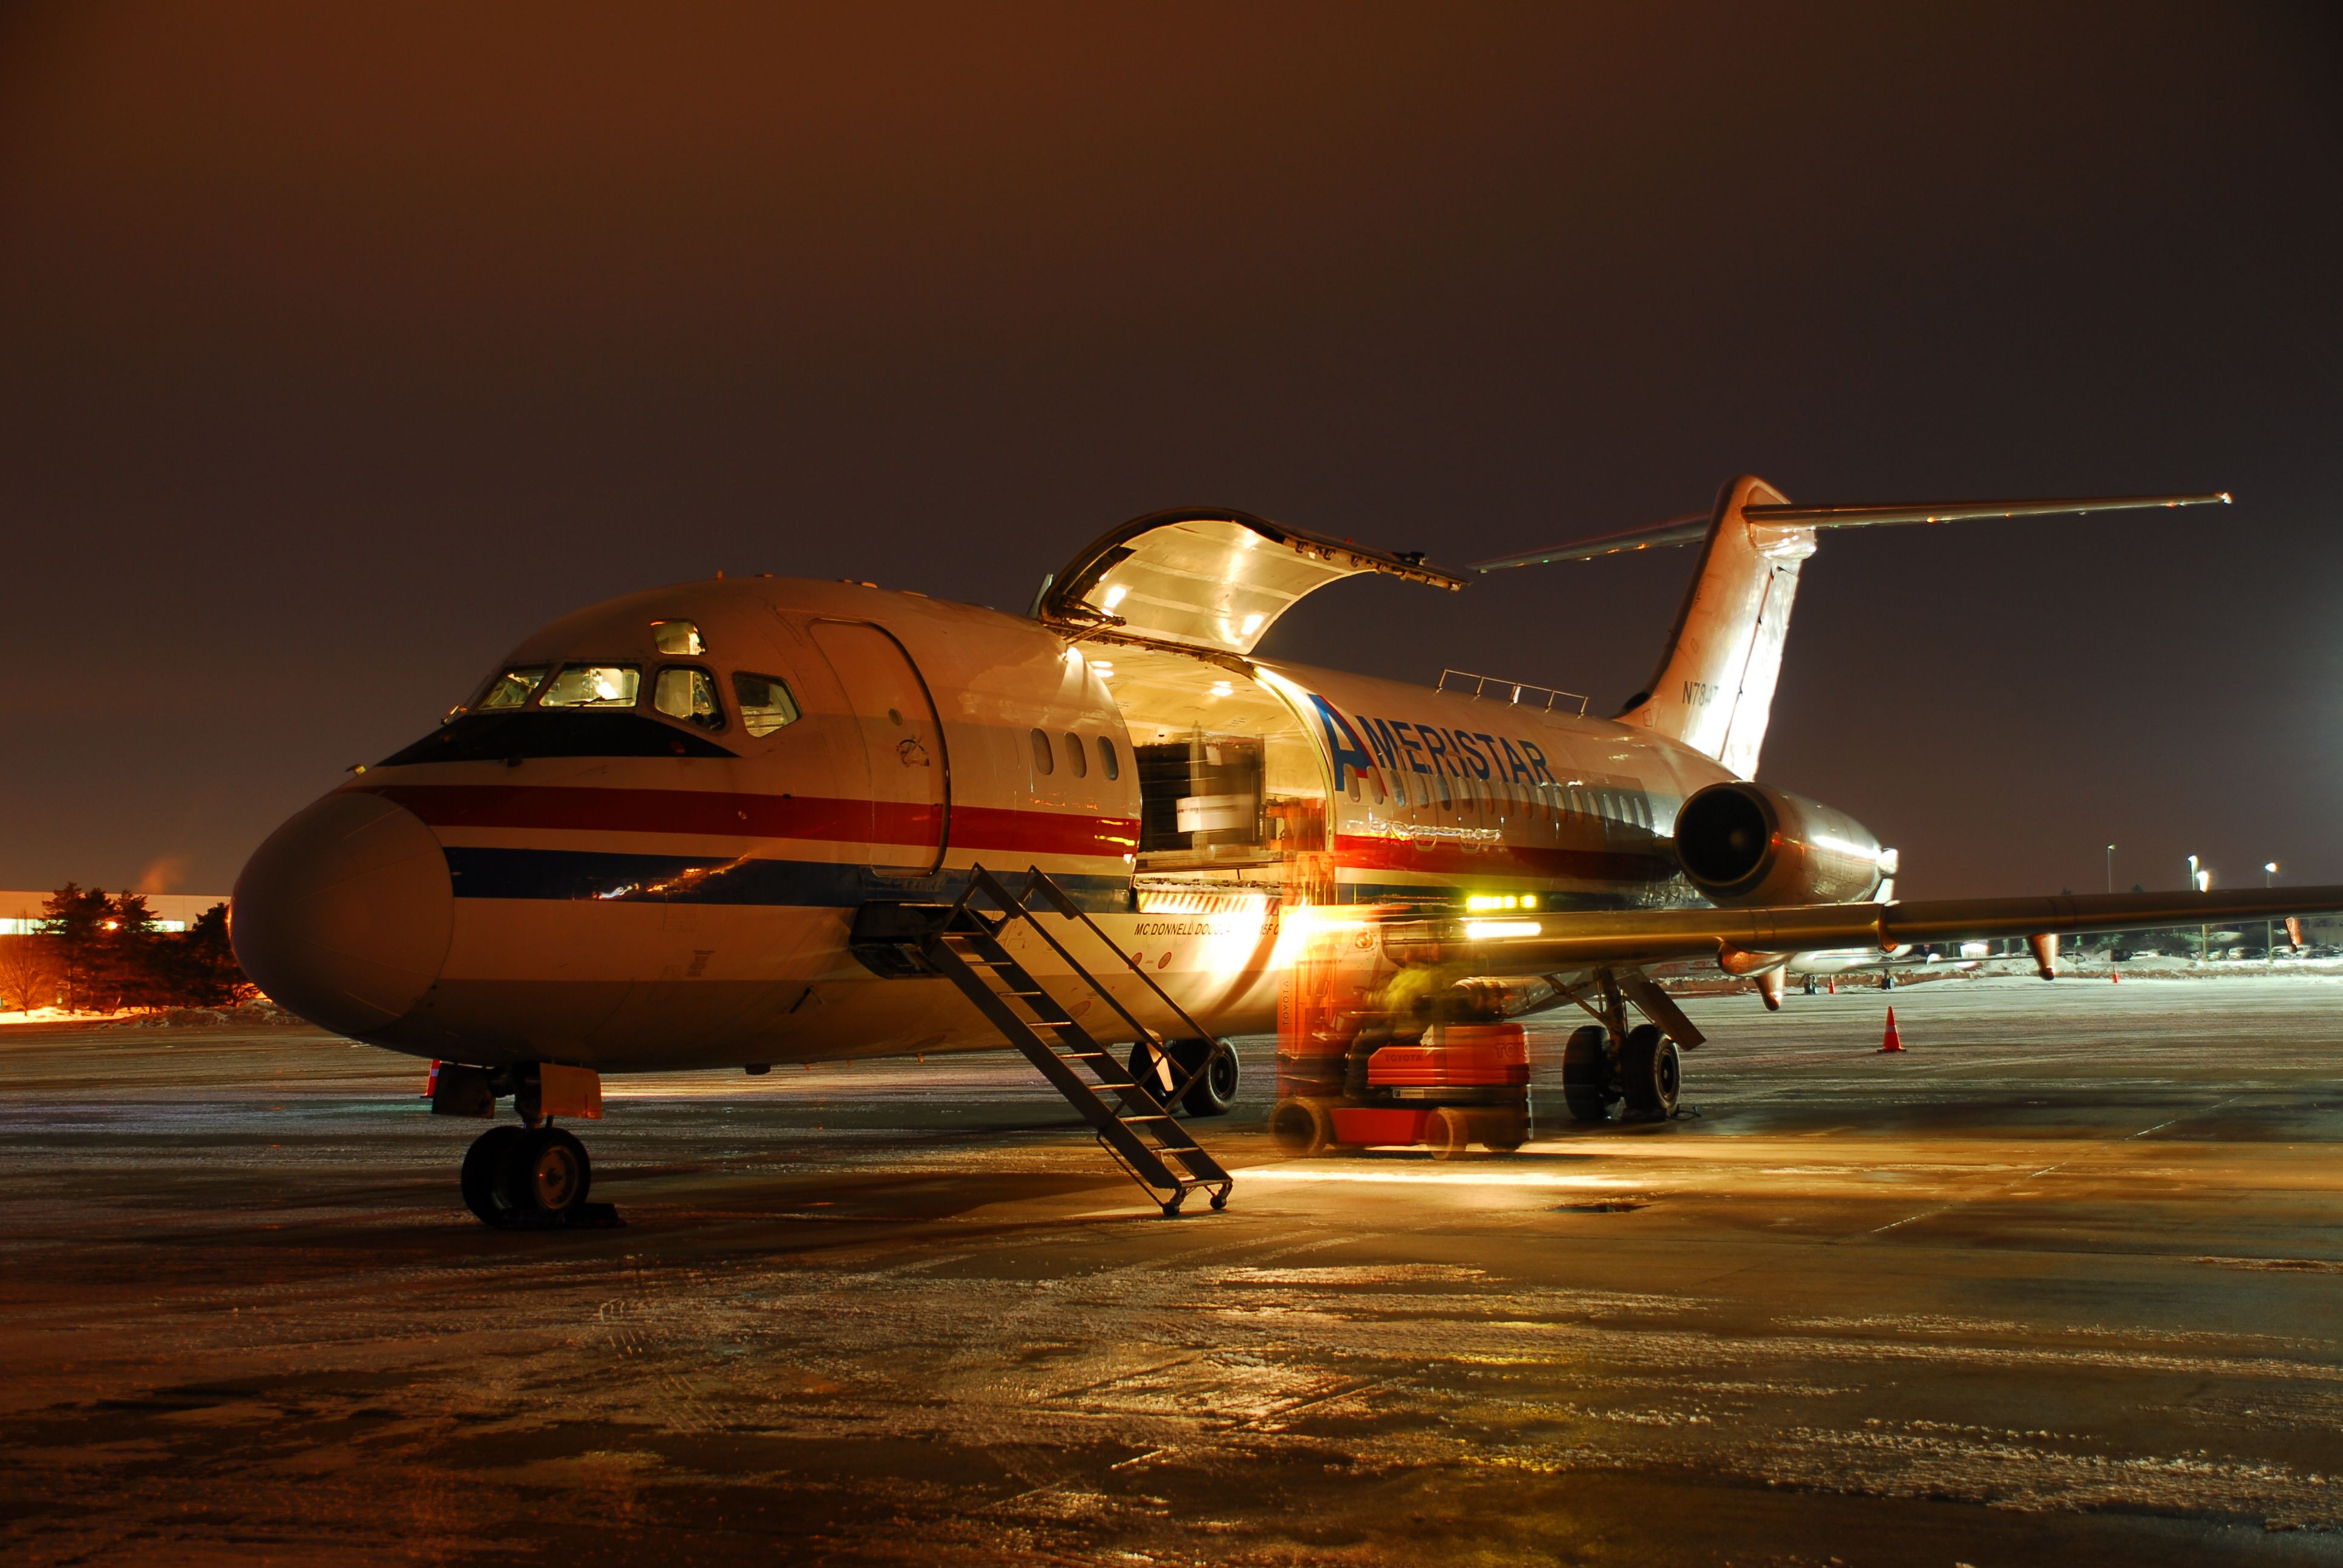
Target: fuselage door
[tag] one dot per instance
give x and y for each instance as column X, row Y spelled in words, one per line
column 902, row 742
column 1214, row 581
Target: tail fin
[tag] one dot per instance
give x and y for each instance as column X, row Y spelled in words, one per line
column 1714, row 688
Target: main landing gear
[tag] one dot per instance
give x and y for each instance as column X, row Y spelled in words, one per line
column 1644, row 1073
column 534, row 1176
column 1209, row 1092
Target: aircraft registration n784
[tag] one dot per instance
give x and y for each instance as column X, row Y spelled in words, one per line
column 759, row 820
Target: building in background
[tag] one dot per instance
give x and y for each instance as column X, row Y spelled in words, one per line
column 20, row 913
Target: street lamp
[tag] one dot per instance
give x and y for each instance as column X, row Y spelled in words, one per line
column 2201, row 878
column 2269, row 928
column 2111, row 868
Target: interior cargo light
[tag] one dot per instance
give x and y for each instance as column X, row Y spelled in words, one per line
column 1251, row 625
column 1114, row 595
column 1480, row 930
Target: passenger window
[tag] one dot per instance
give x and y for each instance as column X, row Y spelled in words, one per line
column 1044, row 761
column 510, row 688
column 764, row 702
column 1076, row 758
column 677, row 636
column 1108, row 760
column 1354, row 788
column 593, row 686
column 688, row 695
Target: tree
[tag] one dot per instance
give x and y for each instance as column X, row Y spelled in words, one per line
column 125, row 971
column 75, row 922
column 201, row 965
column 104, row 954
column 29, row 972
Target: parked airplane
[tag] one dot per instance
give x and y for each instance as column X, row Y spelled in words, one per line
column 736, row 823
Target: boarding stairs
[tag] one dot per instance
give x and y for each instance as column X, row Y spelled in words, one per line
column 1132, row 1120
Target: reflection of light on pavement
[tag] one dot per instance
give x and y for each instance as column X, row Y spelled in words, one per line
column 1439, row 1178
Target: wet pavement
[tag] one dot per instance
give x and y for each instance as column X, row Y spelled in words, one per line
column 2062, row 1284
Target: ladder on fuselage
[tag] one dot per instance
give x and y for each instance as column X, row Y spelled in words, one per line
column 1132, row 1120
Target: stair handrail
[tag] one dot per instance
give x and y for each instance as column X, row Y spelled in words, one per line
column 1036, row 878
column 1144, row 1123
column 1011, row 905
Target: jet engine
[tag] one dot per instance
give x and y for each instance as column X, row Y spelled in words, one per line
column 1743, row 843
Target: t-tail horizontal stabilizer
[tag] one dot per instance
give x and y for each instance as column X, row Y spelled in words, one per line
column 1714, row 688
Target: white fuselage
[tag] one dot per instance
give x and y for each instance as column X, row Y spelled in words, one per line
column 682, row 898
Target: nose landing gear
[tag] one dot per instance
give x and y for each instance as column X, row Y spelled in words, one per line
column 535, row 1176
column 532, row 1178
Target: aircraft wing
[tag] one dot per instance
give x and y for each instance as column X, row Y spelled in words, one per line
column 1693, row 529
column 1578, row 940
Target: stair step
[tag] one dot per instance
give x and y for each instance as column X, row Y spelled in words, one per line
column 1039, row 1024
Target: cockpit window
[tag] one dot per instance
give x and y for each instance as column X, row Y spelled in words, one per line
column 593, row 686
column 677, row 637
column 511, row 687
column 765, row 702
column 688, row 695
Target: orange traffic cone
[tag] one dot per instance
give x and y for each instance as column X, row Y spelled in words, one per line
column 1893, row 1042
column 2115, row 977
column 1833, row 985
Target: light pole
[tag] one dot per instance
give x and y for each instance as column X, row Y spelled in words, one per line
column 2201, row 876
column 2111, row 868
column 2269, row 928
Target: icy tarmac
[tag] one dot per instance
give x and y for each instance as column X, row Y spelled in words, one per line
column 2064, row 1283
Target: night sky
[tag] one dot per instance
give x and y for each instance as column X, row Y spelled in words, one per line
column 338, row 353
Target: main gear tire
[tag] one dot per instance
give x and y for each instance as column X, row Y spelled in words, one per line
column 1651, row 1073
column 1586, row 1075
column 1215, row 1090
column 1301, row 1126
column 482, row 1161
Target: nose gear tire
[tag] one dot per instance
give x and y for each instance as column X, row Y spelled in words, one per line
column 536, row 1179
column 482, row 1161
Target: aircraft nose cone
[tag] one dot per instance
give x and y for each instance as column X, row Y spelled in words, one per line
column 344, row 915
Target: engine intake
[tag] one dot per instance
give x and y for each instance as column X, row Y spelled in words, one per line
column 1743, row 843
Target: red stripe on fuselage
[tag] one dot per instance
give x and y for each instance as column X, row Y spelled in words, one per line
column 1451, row 858
column 720, row 814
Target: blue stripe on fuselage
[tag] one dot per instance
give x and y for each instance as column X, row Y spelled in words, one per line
column 583, row 874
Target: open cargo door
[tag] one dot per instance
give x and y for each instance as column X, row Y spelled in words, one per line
column 1208, row 580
